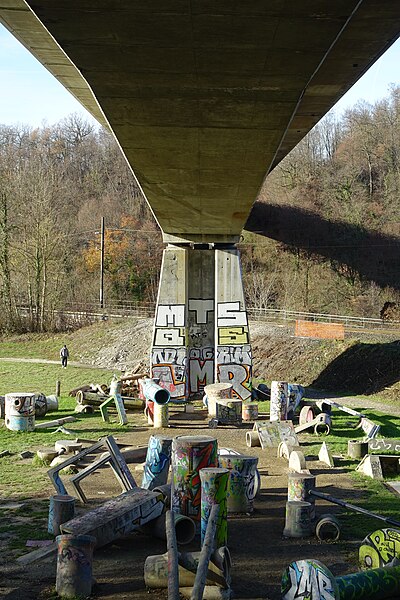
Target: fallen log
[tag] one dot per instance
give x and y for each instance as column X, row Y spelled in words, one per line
column 93, row 399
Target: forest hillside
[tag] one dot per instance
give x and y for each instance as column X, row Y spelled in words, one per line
column 323, row 236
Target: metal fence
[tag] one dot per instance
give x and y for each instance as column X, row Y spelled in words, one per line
column 268, row 315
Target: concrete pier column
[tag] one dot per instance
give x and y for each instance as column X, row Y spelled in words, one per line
column 201, row 334
column 233, row 355
column 169, row 349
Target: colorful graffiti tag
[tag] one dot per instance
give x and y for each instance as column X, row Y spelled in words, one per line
column 189, row 455
column 157, row 463
column 214, row 483
column 308, row 580
column 241, row 483
column 380, row 548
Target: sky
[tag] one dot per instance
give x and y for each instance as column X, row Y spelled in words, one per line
column 30, row 95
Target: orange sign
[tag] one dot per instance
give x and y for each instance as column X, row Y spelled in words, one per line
column 319, row 330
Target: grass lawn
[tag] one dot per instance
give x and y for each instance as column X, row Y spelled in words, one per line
column 21, row 479
column 33, row 377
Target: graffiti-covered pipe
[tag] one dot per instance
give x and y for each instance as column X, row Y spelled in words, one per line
column 189, row 455
column 310, row 579
column 241, row 482
column 165, row 490
column 299, row 521
column 20, row 411
column 214, row 483
column 215, row 392
column 315, row 578
column 249, row 411
column 279, row 401
column 299, row 488
column 74, row 565
column 205, row 554
column 219, row 569
column 61, row 510
column 373, row 584
column 185, row 528
column 158, row 459
column 154, row 392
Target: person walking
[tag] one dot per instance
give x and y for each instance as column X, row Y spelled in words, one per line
column 64, row 354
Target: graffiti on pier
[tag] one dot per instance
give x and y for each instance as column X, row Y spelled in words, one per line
column 170, row 366
column 234, row 360
column 308, row 580
column 201, row 344
column 201, row 308
column 234, row 366
column 201, row 369
column 230, row 315
column 170, row 315
column 380, row 548
column 170, row 325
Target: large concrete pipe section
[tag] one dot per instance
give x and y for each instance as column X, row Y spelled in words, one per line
column 74, row 565
column 241, row 482
column 279, row 401
column 157, row 463
column 154, row 392
column 61, row 510
column 190, row 454
column 214, row 484
column 20, row 411
column 185, row 528
column 219, row 569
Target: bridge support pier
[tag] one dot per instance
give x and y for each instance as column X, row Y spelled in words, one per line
column 201, row 333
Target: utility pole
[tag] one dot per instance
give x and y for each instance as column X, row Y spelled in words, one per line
column 102, row 265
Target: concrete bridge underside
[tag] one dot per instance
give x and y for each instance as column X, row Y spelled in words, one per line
column 204, row 97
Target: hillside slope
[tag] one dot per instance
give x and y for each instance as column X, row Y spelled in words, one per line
column 348, row 366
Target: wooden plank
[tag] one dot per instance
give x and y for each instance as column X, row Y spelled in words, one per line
column 39, row 554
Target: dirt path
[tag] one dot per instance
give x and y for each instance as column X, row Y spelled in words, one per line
column 71, row 363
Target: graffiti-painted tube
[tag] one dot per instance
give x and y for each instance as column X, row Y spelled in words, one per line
column 154, row 392
column 279, row 401
column 327, row 528
column 185, row 528
column 158, row 460
column 219, row 569
column 189, row 455
column 299, row 486
column 241, row 482
column 214, row 483
column 373, row 584
column 215, row 392
column 249, row 411
column 160, row 416
column 165, row 490
column 74, row 565
column 311, row 577
column 61, row 510
column 379, row 548
column 298, row 522
column 20, row 411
